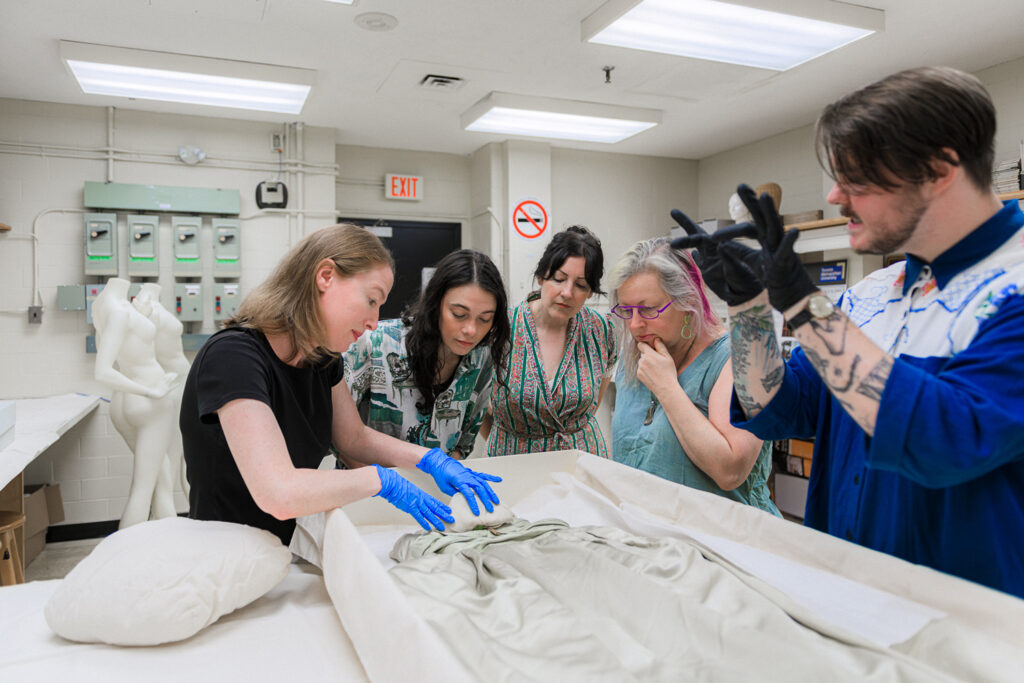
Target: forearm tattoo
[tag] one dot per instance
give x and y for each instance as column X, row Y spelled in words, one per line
column 874, row 383
column 757, row 365
column 841, row 372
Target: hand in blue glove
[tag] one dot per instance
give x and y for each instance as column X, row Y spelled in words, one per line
column 450, row 476
column 407, row 497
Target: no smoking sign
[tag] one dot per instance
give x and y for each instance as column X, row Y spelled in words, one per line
column 530, row 219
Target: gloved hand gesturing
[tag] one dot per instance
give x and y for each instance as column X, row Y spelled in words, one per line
column 450, row 476
column 730, row 269
column 780, row 267
column 408, row 497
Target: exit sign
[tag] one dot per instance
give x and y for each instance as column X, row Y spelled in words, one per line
column 403, row 186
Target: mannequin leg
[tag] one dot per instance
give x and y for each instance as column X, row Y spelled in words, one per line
column 121, row 423
column 150, row 454
column 163, row 493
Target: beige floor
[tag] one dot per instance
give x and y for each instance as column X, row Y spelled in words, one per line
column 57, row 559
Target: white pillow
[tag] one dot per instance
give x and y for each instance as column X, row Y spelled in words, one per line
column 165, row 580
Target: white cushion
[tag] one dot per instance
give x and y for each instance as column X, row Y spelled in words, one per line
column 165, row 580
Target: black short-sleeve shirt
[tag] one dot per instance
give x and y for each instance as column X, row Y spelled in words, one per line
column 240, row 363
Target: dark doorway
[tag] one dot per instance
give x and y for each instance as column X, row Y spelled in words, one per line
column 415, row 245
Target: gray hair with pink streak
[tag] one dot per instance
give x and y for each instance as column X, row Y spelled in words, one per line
column 680, row 279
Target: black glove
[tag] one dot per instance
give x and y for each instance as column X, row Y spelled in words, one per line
column 780, row 267
column 730, row 269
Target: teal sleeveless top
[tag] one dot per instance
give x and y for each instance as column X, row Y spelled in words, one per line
column 654, row 448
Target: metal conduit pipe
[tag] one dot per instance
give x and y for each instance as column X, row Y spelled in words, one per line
column 300, row 183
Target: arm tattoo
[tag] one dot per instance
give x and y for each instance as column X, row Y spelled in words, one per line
column 838, row 378
column 756, row 358
column 773, row 379
column 874, row 383
column 826, row 330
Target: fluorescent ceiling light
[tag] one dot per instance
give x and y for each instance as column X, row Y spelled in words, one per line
column 746, row 32
column 167, row 77
column 342, row 2
column 544, row 117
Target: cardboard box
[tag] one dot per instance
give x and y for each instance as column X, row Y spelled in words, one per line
column 43, row 507
column 799, row 447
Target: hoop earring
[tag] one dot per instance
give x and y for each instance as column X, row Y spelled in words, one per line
column 687, row 331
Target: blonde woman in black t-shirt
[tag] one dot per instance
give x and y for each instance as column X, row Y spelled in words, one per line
column 265, row 399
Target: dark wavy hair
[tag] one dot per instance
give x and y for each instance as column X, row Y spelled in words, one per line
column 576, row 240
column 423, row 317
column 905, row 122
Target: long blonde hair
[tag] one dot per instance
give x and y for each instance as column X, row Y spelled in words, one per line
column 678, row 276
column 288, row 302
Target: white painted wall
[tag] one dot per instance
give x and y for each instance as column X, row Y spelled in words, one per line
column 787, row 159
column 623, row 198
column 1005, row 82
column 445, row 185
column 91, row 462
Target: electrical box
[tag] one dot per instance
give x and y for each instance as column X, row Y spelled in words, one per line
column 226, row 299
column 186, row 231
column 227, row 248
column 71, row 297
column 91, row 292
column 100, row 243
column 188, row 301
column 143, row 246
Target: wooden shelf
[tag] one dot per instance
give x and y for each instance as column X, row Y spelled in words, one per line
column 823, row 223
column 830, row 222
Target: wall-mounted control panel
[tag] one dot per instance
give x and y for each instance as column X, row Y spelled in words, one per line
column 227, row 247
column 186, row 234
column 226, row 299
column 188, row 301
column 143, row 246
column 100, row 243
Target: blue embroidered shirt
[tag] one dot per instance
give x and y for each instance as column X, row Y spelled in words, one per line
column 942, row 481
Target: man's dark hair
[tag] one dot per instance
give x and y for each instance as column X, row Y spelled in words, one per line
column 576, row 240
column 891, row 132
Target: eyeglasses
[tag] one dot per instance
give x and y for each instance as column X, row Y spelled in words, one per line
column 646, row 312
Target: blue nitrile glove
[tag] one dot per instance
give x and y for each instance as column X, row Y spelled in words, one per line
column 730, row 269
column 408, row 497
column 451, row 476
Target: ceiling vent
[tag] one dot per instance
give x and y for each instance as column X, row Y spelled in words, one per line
column 445, row 83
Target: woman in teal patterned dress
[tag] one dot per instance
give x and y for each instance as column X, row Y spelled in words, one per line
column 561, row 358
column 427, row 377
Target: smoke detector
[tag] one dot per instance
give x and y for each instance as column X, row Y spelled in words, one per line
column 376, row 21
column 438, row 82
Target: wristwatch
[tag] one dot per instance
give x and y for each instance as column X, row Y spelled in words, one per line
column 818, row 306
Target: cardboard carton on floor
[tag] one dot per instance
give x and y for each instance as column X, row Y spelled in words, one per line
column 43, row 507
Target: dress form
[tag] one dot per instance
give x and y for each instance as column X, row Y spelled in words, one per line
column 141, row 407
column 171, row 356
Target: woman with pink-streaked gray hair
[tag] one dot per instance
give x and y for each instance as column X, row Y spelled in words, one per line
column 674, row 381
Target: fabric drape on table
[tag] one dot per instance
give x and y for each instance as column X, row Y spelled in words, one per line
column 547, row 602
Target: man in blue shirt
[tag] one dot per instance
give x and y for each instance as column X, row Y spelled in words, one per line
column 913, row 386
